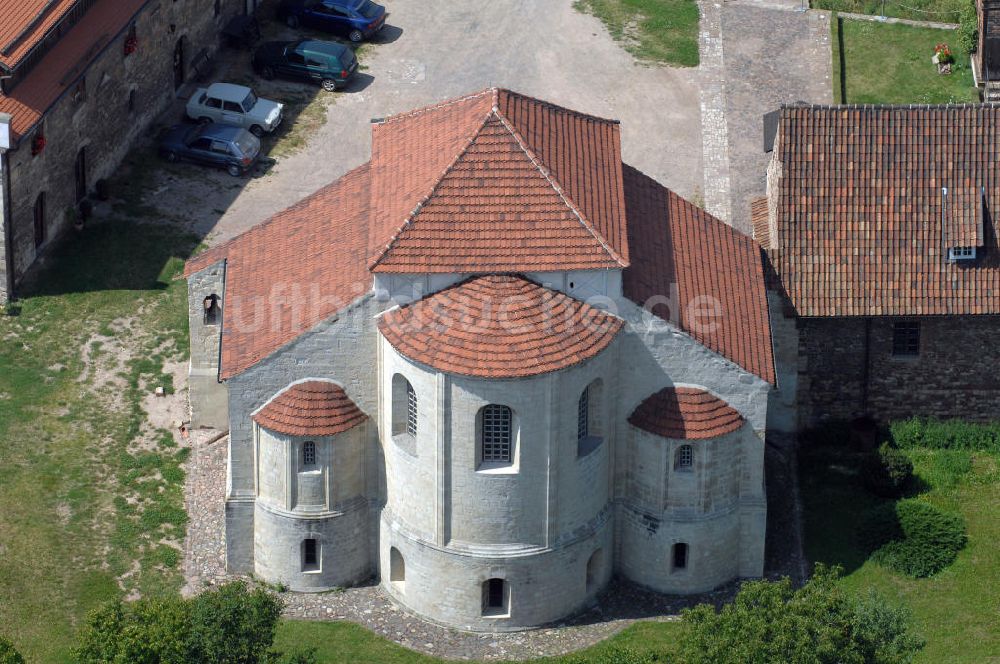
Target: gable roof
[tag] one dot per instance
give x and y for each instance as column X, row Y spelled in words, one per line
column 60, row 68
column 458, row 188
column 499, row 326
column 863, row 222
column 290, row 273
column 679, row 248
column 23, row 24
column 310, row 408
column 685, row 413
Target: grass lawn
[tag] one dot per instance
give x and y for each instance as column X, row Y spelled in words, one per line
column 663, row 31
column 940, row 11
column 338, row 642
column 956, row 610
column 885, row 63
column 91, row 496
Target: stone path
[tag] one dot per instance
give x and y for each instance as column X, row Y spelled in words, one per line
column 204, row 566
column 755, row 57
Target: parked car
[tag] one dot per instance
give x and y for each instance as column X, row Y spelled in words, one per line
column 329, row 63
column 235, row 105
column 354, row 19
column 232, row 148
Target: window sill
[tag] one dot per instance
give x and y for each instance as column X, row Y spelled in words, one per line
column 497, row 468
column 496, row 613
column 585, row 446
column 905, row 358
column 312, row 571
column 406, row 442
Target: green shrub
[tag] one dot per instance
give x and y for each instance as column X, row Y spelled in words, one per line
column 968, row 27
column 912, row 537
column 769, row 622
column 946, row 434
column 8, row 654
column 616, row 655
column 888, row 472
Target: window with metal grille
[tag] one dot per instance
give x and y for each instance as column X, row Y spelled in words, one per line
column 496, row 433
column 583, row 415
column 906, row 338
column 411, row 410
column 309, row 453
column 684, row 457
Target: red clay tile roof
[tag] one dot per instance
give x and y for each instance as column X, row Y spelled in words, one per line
column 311, row 408
column 863, row 226
column 23, row 24
column 759, row 221
column 678, row 247
column 292, row 272
column 458, row 188
column 499, row 326
column 59, row 69
column 686, row 413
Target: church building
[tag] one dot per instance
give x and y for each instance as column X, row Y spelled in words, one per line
column 491, row 368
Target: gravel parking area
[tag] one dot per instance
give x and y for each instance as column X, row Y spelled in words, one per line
column 437, row 49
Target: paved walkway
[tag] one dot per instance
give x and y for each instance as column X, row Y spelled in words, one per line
column 755, row 56
column 204, row 566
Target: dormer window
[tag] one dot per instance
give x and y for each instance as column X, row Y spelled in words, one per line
column 962, row 253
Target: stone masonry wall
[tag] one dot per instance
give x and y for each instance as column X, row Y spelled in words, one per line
column 953, row 376
column 102, row 121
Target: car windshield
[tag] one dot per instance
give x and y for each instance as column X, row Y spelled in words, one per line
column 369, row 9
column 247, row 143
column 249, row 102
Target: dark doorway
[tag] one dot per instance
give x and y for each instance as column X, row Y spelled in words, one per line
column 179, row 63
column 80, row 172
column 39, row 218
column 991, row 58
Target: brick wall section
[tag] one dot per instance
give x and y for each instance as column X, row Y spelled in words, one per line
column 103, row 122
column 954, row 375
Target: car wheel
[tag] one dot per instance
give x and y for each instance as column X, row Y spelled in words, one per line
column 170, row 156
column 329, row 84
column 204, row 120
column 257, row 131
column 235, row 170
column 292, row 21
column 267, row 73
column 355, row 36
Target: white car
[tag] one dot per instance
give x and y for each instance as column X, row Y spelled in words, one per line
column 235, row 105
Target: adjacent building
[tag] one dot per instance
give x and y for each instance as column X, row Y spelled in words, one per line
column 79, row 81
column 880, row 226
column 493, row 366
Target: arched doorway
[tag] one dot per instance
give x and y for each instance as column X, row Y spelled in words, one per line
column 179, row 63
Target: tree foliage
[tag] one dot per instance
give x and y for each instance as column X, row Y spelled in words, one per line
column 9, row 654
column 770, row 622
column 232, row 624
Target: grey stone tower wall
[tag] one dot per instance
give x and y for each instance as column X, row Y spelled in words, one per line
column 208, row 398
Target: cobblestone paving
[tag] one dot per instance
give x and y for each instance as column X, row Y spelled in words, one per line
column 204, row 566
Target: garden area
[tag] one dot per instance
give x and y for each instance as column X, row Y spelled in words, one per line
column 938, row 11
column 917, row 522
column 891, row 63
column 660, row 31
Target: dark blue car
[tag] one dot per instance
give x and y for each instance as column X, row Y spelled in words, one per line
column 354, row 19
column 232, row 148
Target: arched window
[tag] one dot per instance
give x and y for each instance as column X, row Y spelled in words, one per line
column 310, row 555
column 212, row 310
column 496, row 434
column 404, row 407
column 308, row 454
column 684, row 458
column 496, row 597
column 397, row 568
column 588, row 419
column 594, row 569
column 680, row 556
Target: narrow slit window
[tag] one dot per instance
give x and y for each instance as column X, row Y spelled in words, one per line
column 583, row 415
column 310, row 555
column 411, row 410
column 495, row 597
column 680, row 556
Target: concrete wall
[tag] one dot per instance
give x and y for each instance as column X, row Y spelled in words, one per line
column 208, row 398
column 102, row 121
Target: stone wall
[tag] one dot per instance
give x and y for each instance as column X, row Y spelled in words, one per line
column 207, row 396
column 953, row 376
column 123, row 95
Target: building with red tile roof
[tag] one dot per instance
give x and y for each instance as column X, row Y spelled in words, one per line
column 880, row 226
column 79, row 81
column 496, row 291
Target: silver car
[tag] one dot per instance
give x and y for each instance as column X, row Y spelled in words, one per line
column 235, row 105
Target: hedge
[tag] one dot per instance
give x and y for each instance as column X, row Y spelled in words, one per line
column 946, row 434
column 912, row 537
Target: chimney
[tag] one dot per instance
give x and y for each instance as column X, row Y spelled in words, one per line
column 4, row 131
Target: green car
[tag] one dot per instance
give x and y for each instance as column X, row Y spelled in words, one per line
column 328, row 63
